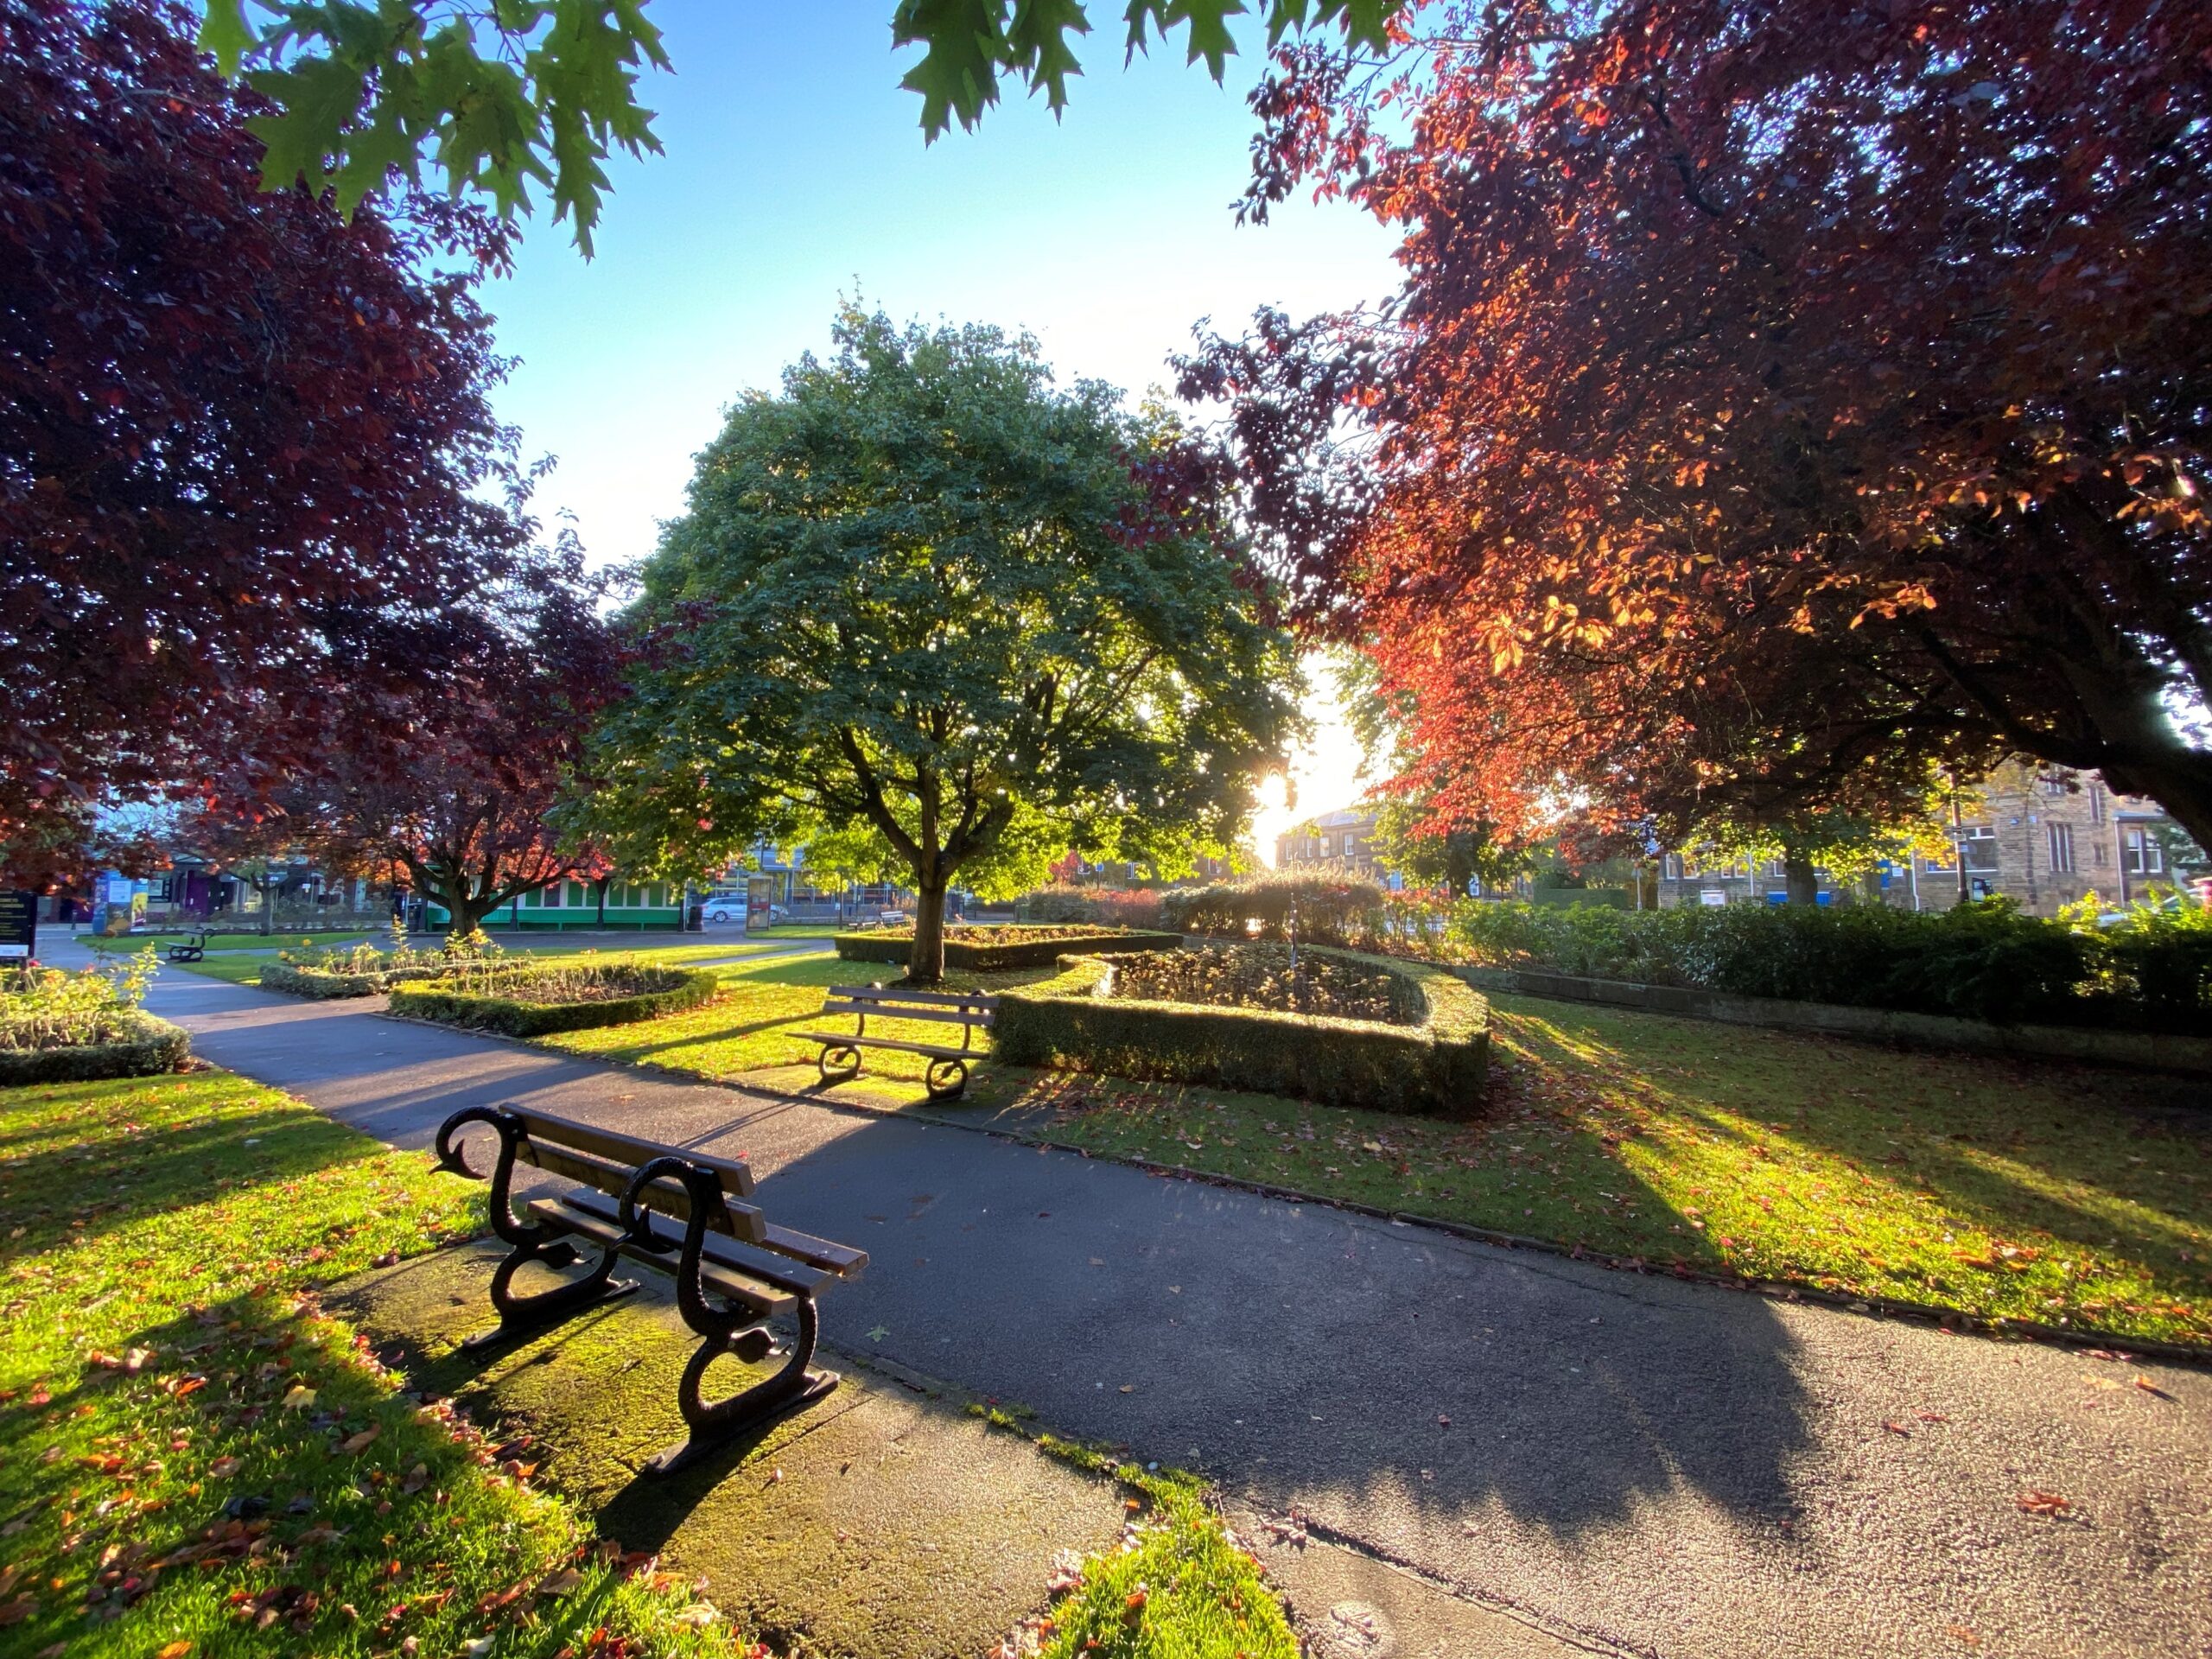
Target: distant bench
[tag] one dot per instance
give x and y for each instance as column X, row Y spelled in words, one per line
column 191, row 948
column 947, row 1076
column 734, row 1269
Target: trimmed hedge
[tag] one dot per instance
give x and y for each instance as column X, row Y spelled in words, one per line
column 1436, row 1068
column 427, row 999
column 295, row 980
column 2152, row 970
column 986, row 958
column 151, row 1047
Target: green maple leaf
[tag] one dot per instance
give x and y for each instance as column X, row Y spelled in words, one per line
column 957, row 76
column 224, row 32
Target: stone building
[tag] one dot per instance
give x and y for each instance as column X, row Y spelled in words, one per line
column 2042, row 835
column 1343, row 838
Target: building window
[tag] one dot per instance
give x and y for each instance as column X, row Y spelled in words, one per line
column 2140, row 851
column 2061, row 836
column 1671, row 866
column 1979, row 845
column 2097, row 803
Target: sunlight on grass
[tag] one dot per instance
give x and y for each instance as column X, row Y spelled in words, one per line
column 2058, row 1194
column 195, row 1458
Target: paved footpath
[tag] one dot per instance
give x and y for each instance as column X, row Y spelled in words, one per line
column 1631, row 1463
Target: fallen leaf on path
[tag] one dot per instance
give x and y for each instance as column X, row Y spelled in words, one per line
column 1961, row 1633
column 2152, row 1389
column 2106, row 1353
column 1931, row 1416
column 2040, row 1503
column 1896, row 1428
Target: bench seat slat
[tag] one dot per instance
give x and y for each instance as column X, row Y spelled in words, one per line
column 739, row 1220
column 799, row 1277
column 847, row 1041
column 882, row 1011
column 736, row 1177
column 843, row 1260
column 757, row 1295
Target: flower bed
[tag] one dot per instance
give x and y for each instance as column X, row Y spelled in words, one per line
column 520, row 1000
column 995, row 950
column 1428, row 1056
column 57, row 1026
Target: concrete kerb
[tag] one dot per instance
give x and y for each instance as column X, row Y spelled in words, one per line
column 1952, row 1320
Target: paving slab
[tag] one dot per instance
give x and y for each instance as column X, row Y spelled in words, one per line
column 881, row 1522
column 1654, row 1467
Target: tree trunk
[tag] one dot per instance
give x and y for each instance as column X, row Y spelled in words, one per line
column 926, row 966
column 1800, row 884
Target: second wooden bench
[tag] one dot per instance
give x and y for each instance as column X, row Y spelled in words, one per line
column 947, row 1074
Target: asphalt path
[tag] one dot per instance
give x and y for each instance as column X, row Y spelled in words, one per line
column 1639, row 1464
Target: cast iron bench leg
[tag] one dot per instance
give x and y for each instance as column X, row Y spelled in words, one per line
column 714, row 1422
column 521, row 1315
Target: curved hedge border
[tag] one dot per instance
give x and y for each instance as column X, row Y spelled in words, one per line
column 152, row 1046
column 295, row 980
column 997, row 958
column 1435, row 1069
column 425, row 999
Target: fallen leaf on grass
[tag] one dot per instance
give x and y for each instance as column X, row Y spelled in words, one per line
column 2032, row 1501
column 174, row 1650
column 360, row 1442
column 561, row 1583
column 300, row 1398
column 222, row 1468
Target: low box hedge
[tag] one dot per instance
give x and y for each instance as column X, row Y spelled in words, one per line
column 985, row 957
column 431, row 999
column 146, row 1047
column 1436, row 1068
column 296, row 981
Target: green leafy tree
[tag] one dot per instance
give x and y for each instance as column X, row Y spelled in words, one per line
column 924, row 595
column 536, row 94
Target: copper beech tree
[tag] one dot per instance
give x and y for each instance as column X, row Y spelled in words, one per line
column 459, row 791
column 1787, row 398
column 246, row 459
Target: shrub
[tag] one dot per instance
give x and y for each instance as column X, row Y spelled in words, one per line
column 518, row 1001
column 1269, row 976
column 1435, row 1066
column 1976, row 962
column 998, row 950
column 1330, row 908
column 135, row 1043
column 59, row 1027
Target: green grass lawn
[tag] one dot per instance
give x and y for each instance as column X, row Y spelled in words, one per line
column 244, row 967
column 160, row 942
column 797, row 930
column 194, row 1460
column 2067, row 1195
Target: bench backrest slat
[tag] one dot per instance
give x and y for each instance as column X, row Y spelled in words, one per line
column 878, row 1011
column 738, row 1220
column 736, row 1177
column 949, row 999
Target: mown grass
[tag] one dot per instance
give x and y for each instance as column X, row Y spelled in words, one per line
column 2066, row 1195
column 243, row 968
column 1179, row 1585
column 752, row 1026
column 194, row 1460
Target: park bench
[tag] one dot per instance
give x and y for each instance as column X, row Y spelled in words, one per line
column 191, row 948
column 947, row 1074
column 734, row 1269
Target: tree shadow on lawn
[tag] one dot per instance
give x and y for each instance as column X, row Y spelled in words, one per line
column 176, row 1167
column 1937, row 1171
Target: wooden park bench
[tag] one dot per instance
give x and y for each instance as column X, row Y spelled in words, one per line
column 191, row 948
column 734, row 1269
column 947, row 1075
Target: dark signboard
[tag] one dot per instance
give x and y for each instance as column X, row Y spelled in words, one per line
column 18, row 924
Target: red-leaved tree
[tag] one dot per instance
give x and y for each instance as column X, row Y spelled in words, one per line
column 459, row 788
column 1786, row 397
column 242, row 444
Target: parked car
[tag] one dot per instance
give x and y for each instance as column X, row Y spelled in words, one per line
column 725, row 903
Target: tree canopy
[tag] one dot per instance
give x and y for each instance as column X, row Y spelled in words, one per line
column 1787, row 397
column 538, row 95
column 925, row 593
column 245, row 453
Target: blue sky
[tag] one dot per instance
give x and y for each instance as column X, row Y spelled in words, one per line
column 794, row 171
